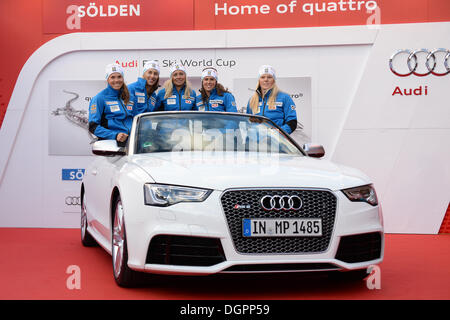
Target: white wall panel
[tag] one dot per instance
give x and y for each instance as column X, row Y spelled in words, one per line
column 21, row 196
column 328, row 123
column 413, row 177
column 376, row 151
column 400, row 142
column 417, row 194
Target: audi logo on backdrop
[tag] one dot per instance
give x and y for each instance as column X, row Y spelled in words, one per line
column 278, row 203
column 435, row 62
column 73, row 201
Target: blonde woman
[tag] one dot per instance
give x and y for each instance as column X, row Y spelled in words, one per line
column 270, row 102
column 177, row 94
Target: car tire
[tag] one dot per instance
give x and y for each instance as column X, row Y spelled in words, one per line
column 86, row 239
column 124, row 276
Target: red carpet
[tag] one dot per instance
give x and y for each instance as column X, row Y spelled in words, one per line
column 33, row 265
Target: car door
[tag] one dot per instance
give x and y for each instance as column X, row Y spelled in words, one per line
column 98, row 193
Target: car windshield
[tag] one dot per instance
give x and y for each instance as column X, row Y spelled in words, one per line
column 210, row 131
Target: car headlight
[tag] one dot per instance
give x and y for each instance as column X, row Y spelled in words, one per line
column 166, row 195
column 364, row 193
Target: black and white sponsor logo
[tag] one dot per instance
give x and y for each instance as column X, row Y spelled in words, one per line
column 73, row 201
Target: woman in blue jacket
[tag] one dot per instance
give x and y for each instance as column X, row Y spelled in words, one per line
column 177, row 93
column 270, row 102
column 111, row 111
column 143, row 91
column 213, row 96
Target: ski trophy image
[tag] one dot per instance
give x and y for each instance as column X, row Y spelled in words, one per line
column 76, row 117
column 68, row 117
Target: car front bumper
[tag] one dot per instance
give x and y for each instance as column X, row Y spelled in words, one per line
column 207, row 220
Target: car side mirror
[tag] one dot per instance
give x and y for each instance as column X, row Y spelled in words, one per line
column 107, row 148
column 314, row 150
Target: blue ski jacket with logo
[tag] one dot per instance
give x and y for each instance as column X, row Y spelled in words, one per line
column 224, row 103
column 283, row 113
column 108, row 114
column 176, row 102
column 142, row 101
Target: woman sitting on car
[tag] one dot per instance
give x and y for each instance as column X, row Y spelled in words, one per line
column 177, row 93
column 143, row 91
column 213, row 96
column 111, row 111
column 270, row 102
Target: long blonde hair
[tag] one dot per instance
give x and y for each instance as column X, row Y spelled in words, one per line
column 168, row 85
column 254, row 100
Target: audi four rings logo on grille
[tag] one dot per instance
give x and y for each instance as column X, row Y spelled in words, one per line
column 436, row 62
column 278, row 203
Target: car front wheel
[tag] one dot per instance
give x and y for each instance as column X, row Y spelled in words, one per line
column 124, row 276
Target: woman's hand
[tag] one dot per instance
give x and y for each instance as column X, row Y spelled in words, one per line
column 121, row 137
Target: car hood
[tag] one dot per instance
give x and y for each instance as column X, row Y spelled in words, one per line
column 220, row 171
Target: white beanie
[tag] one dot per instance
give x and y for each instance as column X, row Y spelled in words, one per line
column 113, row 68
column 153, row 64
column 175, row 68
column 210, row 72
column 266, row 69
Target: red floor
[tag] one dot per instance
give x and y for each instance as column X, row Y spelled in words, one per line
column 33, row 265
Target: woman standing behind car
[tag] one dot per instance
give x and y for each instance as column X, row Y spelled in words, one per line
column 213, row 96
column 143, row 91
column 177, row 93
column 111, row 111
column 270, row 102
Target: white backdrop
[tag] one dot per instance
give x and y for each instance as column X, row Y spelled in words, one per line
column 401, row 142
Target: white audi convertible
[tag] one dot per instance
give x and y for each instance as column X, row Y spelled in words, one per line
column 197, row 193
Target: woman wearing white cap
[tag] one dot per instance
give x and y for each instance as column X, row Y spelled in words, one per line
column 213, row 96
column 177, row 94
column 143, row 91
column 111, row 111
column 270, row 102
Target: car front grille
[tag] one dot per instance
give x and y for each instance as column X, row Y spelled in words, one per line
column 316, row 204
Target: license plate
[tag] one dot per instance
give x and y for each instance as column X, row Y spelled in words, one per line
column 281, row 227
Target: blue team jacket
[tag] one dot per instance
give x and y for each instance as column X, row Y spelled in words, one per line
column 281, row 113
column 108, row 114
column 176, row 102
column 225, row 103
column 142, row 102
